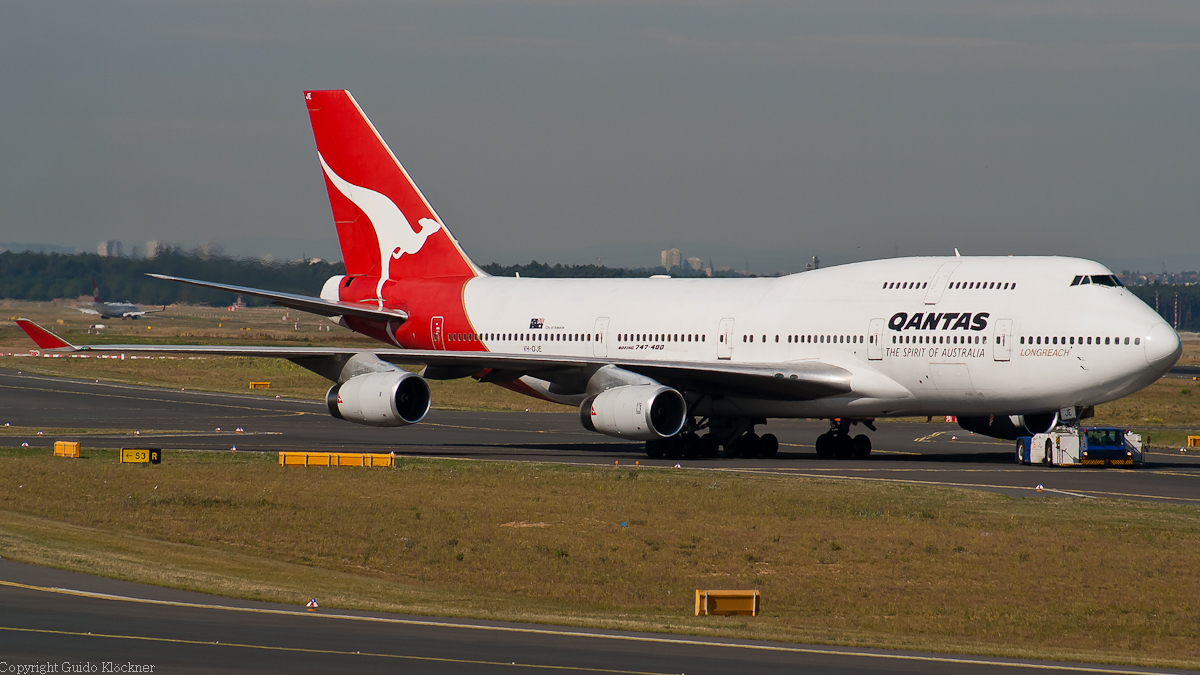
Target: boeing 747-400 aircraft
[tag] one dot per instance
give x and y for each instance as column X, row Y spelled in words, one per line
column 691, row 366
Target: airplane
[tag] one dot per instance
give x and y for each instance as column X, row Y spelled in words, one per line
column 115, row 310
column 1007, row 345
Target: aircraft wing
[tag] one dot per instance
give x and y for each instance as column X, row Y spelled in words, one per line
column 143, row 312
column 87, row 310
column 304, row 303
column 799, row 380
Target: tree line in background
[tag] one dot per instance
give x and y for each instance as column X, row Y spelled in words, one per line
column 50, row 276
column 1177, row 303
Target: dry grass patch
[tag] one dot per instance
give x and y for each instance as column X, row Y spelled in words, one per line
column 900, row 566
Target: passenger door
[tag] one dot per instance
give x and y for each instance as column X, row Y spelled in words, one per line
column 435, row 331
column 600, row 338
column 875, row 340
column 940, row 280
column 725, row 339
column 1001, row 340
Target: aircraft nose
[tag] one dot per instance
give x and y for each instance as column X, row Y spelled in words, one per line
column 1163, row 347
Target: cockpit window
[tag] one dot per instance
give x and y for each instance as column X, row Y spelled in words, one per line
column 1098, row 279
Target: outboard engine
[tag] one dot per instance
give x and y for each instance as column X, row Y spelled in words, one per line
column 388, row 399
column 1010, row 427
column 635, row 412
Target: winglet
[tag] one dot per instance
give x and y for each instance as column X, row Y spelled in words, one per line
column 44, row 338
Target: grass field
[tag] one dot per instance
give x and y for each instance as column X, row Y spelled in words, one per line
column 837, row 562
column 842, row 562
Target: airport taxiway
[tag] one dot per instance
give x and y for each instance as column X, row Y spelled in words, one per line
column 67, row 619
column 933, row 454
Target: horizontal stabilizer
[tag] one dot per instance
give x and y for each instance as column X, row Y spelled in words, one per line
column 304, row 303
column 42, row 337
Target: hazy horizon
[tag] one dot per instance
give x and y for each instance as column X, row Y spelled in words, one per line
column 571, row 132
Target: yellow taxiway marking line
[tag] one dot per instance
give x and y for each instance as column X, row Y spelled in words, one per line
column 333, row 652
column 534, row 631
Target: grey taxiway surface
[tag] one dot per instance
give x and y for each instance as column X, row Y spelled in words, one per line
column 79, row 623
column 50, row 616
column 935, row 454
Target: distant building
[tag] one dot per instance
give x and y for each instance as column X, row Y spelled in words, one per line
column 210, row 250
column 670, row 258
column 110, row 249
column 695, row 264
column 153, row 248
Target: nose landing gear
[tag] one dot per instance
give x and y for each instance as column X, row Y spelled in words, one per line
column 837, row 442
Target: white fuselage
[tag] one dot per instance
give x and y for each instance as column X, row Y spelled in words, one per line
column 929, row 336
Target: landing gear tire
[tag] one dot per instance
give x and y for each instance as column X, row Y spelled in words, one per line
column 709, row 446
column 824, row 446
column 654, row 449
column 691, row 446
column 673, row 447
column 843, row 446
column 750, row 445
column 861, row 446
column 768, row 445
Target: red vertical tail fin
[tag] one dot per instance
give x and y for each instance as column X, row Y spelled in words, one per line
column 385, row 226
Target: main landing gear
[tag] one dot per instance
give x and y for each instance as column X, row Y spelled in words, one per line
column 837, row 442
column 736, row 436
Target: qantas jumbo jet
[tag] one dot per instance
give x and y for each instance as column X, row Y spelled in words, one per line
column 691, row 366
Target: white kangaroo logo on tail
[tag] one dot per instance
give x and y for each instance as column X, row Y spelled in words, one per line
column 392, row 231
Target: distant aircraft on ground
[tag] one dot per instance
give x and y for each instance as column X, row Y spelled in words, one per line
column 1009, row 345
column 115, row 310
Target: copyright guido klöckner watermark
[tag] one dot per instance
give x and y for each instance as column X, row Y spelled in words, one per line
column 46, row 667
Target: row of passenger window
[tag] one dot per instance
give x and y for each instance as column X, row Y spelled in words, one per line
column 813, row 339
column 939, row 339
column 523, row 337
column 660, row 337
column 1052, row 340
column 983, row 285
column 954, row 285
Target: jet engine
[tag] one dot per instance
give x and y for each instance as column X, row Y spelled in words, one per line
column 387, row 399
column 644, row 412
column 1010, row 427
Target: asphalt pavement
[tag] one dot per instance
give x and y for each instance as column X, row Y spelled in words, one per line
column 934, row 454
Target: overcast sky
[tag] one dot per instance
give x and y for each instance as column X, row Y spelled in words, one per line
column 571, row 131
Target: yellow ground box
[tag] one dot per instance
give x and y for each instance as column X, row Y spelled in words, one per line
column 1193, row 441
column 727, row 602
column 141, row 456
column 66, row 448
column 335, row 459
column 260, row 385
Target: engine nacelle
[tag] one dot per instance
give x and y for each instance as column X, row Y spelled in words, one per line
column 388, row 399
column 636, row 412
column 1010, row 427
